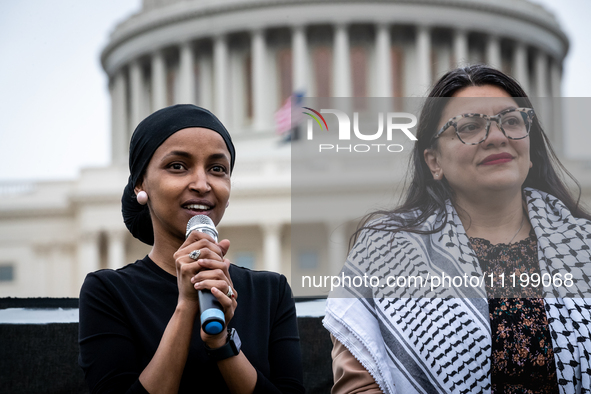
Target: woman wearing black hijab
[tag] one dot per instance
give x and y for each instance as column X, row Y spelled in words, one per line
column 139, row 325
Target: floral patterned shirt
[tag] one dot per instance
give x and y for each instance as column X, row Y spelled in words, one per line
column 522, row 354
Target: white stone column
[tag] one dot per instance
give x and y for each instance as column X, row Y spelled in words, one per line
column 555, row 78
column 272, row 246
column 186, row 74
column 260, row 98
column 158, row 81
column 119, row 124
column 59, row 277
column 383, row 61
column 299, row 48
column 337, row 247
column 493, row 52
column 520, row 66
column 342, row 63
column 116, row 248
column 424, row 57
column 557, row 126
column 220, row 69
column 135, row 85
column 541, row 74
column 87, row 255
column 460, row 47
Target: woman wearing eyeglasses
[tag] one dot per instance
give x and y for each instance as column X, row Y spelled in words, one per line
column 486, row 205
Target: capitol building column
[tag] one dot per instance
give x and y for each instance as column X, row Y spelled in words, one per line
column 520, row 66
column 299, row 47
column 555, row 78
column 342, row 62
column 158, row 81
column 541, row 62
column 186, row 74
column 88, row 256
column 119, row 121
column 272, row 246
column 383, row 61
column 557, row 104
column 259, row 79
column 493, row 52
column 424, row 58
column 135, row 85
column 220, row 71
column 460, row 47
column 116, row 248
column 337, row 246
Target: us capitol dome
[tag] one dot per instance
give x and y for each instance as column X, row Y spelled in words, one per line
column 243, row 59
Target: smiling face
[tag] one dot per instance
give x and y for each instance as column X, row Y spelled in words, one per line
column 497, row 164
column 188, row 175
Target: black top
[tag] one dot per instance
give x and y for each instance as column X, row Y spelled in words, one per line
column 123, row 315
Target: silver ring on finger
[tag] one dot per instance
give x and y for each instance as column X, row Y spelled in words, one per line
column 230, row 293
column 195, row 254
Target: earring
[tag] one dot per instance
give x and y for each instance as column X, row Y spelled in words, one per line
column 142, row 198
column 436, row 175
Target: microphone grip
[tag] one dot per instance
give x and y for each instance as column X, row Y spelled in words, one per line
column 212, row 315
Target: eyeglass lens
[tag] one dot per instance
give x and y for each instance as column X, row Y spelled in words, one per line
column 472, row 129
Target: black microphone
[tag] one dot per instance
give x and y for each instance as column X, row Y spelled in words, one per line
column 212, row 313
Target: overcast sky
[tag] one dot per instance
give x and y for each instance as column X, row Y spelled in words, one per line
column 54, row 102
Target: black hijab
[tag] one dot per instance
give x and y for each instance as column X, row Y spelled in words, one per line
column 147, row 137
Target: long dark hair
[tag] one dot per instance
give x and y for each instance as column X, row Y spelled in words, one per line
column 425, row 196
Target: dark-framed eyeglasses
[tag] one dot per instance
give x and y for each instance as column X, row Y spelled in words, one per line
column 472, row 129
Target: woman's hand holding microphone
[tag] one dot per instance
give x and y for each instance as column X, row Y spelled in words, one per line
column 200, row 265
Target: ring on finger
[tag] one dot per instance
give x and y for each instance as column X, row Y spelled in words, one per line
column 230, row 293
column 195, row 254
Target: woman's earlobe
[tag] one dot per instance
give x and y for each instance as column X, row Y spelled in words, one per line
column 531, row 164
column 142, row 197
column 227, row 203
column 431, row 160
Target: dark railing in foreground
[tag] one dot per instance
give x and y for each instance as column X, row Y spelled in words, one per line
column 39, row 346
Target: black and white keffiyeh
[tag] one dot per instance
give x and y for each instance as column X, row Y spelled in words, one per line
column 438, row 340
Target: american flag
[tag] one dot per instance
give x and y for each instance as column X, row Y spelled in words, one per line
column 283, row 117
